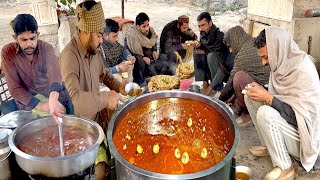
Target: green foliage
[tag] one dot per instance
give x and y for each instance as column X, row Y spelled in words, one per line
column 199, row 3
column 222, row 7
column 67, row 7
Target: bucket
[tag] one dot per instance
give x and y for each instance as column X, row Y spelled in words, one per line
column 4, row 154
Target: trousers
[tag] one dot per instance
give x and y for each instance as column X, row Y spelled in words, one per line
column 281, row 138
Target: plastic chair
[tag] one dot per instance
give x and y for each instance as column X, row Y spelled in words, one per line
column 7, row 103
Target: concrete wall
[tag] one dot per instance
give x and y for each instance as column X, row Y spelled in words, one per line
column 284, row 10
column 44, row 12
column 288, row 14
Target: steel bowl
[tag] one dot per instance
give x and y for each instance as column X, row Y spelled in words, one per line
column 57, row 167
column 224, row 170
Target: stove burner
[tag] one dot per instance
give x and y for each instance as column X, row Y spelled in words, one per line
column 84, row 175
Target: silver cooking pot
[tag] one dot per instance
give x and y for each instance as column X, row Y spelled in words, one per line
column 126, row 171
column 60, row 166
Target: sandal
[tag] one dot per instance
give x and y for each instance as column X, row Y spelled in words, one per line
column 244, row 121
column 279, row 174
column 259, row 151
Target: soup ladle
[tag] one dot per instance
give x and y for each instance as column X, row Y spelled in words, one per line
column 61, row 136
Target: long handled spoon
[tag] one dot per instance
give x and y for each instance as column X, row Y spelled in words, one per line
column 61, row 137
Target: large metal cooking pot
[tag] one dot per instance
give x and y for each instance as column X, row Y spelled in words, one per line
column 5, row 153
column 127, row 171
column 60, row 166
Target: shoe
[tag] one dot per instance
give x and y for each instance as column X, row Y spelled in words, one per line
column 244, row 120
column 259, row 151
column 279, row 174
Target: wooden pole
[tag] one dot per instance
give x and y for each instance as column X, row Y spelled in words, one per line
column 208, row 5
column 122, row 8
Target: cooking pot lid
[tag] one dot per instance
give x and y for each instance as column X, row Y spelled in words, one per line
column 16, row 118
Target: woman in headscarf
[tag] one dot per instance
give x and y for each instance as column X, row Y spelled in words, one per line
column 287, row 116
column 247, row 69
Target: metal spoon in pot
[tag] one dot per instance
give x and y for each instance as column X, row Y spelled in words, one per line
column 61, row 136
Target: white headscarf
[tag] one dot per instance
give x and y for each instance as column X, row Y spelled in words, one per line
column 295, row 81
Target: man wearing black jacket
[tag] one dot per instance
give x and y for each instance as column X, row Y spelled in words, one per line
column 212, row 60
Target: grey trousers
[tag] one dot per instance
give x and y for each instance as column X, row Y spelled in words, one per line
column 281, row 138
column 207, row 68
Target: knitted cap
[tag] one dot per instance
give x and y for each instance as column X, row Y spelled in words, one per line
column 90, row 20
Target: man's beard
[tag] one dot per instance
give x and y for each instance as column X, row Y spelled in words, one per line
column 146, row 33
column 203, row 33
column 93, row 51
column 29, row 50
column 181, row 33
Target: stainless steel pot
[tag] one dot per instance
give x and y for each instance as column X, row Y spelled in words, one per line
column 127, row 171
column 60, row 166
column 4, row 154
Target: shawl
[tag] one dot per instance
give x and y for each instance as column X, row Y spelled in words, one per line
column 295, row 81
column 112, row 53
column 136, row 40
column 246, row 55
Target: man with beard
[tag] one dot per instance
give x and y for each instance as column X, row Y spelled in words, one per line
column 212, row 60
column 173, row 39
column 31, row 69
column 83, row 71
column 286, row 116
column 117, row 58
column 141, row 40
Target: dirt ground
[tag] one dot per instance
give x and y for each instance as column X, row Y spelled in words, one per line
column 162, row 13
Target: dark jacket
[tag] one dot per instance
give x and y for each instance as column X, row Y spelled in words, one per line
column 171, row 39
column 213, row 42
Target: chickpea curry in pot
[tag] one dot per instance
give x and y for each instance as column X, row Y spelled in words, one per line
column 173, row 136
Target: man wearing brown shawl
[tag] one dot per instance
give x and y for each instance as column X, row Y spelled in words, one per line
column 173, row 39
column 83, row 71
column 247, row 69
column 141, row 40
column 287, row 116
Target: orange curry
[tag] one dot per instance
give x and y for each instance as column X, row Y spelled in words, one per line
column 173, row 136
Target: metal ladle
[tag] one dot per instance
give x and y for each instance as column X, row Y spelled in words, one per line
column 61, row 136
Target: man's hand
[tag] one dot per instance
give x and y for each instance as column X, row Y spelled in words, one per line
column 56, row 108
column 113, row 100
column 122, row 87
column 196, row 44
column 185, row 46
column 155, row 55
column 258, row 93
column 124, row 67
column 131, row 59
column 43, row 106
column 146, row 60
